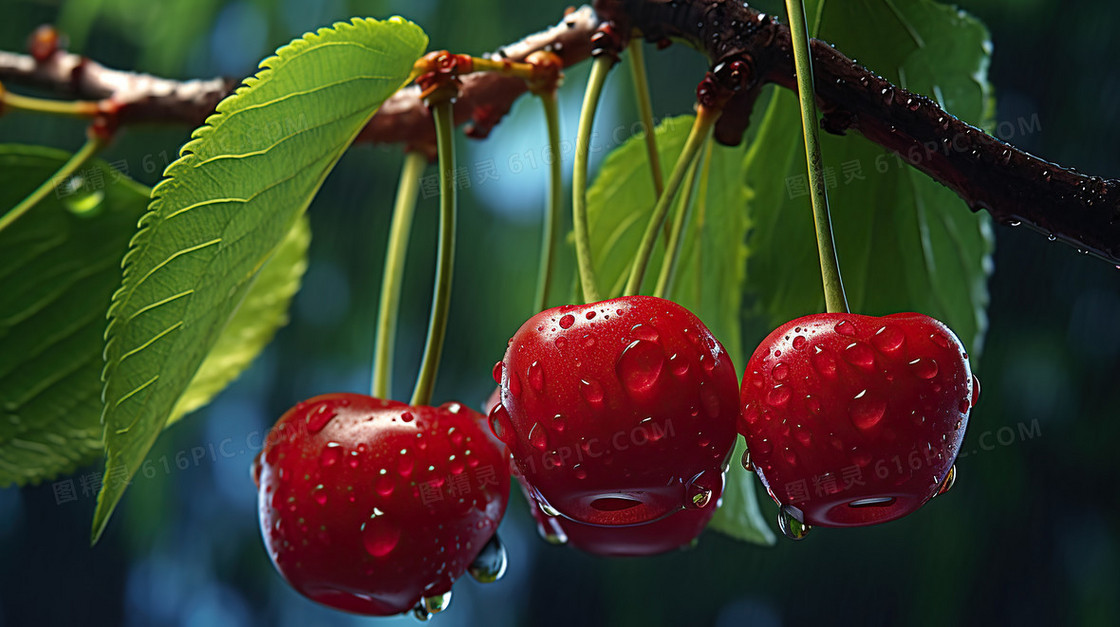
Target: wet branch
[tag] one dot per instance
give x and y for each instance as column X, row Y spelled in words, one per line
column 989, row 174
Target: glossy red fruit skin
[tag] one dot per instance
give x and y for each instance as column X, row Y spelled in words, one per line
column 660, row 536
column 368, row 505
column 841, row 408
column 617, row 411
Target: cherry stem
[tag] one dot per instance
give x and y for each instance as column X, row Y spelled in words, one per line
column 93, row 145
column 73, row 108
column 834, row 297
column 584, row 261
column 705, row 118
column 555, row 199
column 676, row 234
column 645, row 111
column 392, row 277
column 441, row 293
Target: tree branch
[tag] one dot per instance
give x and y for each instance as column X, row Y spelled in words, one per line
column 1012, row 185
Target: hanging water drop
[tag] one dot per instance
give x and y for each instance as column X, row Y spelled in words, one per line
column 431, row 605
column 748, row 465
column 790, row 525
column 490, row 564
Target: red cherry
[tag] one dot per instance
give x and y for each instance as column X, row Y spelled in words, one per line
column 374, row 506
column 660, row 536
column 620, row 412
column 855, row 420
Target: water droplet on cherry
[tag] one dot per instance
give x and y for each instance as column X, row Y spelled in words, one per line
column 536, row 376
column 845, row 327
column 639, row 365
column 778, row 396
column 380, row 535
column 591, row 391
column 949, row 481
column 859, row 354
column 538, row 438
column 924, row 368
column 566, row 321
column 866, row 410
column 888, row 339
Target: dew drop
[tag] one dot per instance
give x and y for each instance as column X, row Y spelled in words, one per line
column 699, row 495
column 888, row 339
column 538, row 438
column 799, row 342
column 748, row 465
column 490, row 563
column 566, row 321
column 846, row 328
column 319, row 418
column 319, row 493
column 407, row 416
column 866, row 410
column 975, row 390
column 589, row 315
column 791, row 526
column 824, row 363
column 940, row 340
column 536, row 376
column 778, row 396
column 514, row 385
column 859, row 354
column 560, row 342
column 405, row 464
column 639, row 365
column 924, row 368
column 645, row 332
column 380, row 534
column 548, row 509
column 497, row 372
column 591, row 391
column 330, row 455
column 780, row 371
column 579, row 471
column 678, row 365
column 813, row 404
column 384, row 483
column 499, row 423
column 427, row 606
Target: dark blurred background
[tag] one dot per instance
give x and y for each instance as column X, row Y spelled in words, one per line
column 1027, row 536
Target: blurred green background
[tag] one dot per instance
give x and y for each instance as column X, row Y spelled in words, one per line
column 1027, row 536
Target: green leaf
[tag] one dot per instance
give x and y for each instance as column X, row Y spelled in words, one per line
column 264, row 310
column 905, row 243
column 59, row 265
column 237, row 189
column 710, row 272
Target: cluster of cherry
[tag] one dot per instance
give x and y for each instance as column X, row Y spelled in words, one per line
column 618, row 420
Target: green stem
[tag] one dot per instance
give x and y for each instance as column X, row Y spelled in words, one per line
column 555, row 198
column 676, row 235
column 393, row 274
column 705, row 118
column 834, row 298
column 586, row 264
column 84, row 154
column 441, row 296
column 68, row 108
column 645, row 111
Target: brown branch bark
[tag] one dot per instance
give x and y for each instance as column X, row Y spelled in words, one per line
column 1012, row 185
